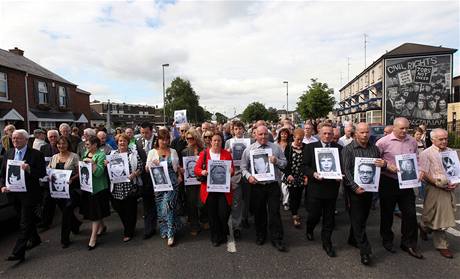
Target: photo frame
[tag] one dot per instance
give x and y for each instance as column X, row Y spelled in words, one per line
column 367, row 174
column 85, row 172
column 189, row 163
column 261, row 167
column 451, row 165
column 180, row 116
column 15, row 177
column 160, row 177
column 218, row 179
column 238, row 146
column 118, row 167
column 408, row 172
column 328, row 163
column 59, row 183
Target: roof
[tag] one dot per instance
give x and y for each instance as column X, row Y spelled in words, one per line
column 36, row 115
column 21, row 63
column 96, row 116
column 82, row 91
column 405, row 50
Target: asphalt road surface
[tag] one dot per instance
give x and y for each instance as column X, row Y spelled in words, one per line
column 194, row 257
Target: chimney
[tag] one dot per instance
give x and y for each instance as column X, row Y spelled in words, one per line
column 17, row 51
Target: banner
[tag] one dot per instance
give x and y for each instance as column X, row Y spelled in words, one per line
column 418, row 88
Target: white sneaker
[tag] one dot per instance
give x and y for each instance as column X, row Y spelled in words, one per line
column 170, row 241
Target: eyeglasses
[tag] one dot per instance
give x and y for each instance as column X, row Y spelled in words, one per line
column 183, row 131
column 207, row 137
column 191, row 138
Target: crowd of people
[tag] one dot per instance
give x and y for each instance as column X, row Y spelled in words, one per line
column 291, row 163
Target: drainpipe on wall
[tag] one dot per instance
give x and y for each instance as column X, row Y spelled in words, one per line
column 27, row 102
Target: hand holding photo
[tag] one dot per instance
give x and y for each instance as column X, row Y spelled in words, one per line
column 451, row 165
column 367, row 174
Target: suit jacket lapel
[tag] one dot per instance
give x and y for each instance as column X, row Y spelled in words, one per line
column 27, row 155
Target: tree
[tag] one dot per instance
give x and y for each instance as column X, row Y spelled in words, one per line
column 317, row 101
column 272, row 115
column 253, row 112
column 221, row 118
column 180, row 95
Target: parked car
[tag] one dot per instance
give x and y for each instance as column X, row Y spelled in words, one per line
column 376, row 132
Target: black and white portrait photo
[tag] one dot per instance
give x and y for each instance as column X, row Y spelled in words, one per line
column 160, row 177
column 180, row 116
column 407, row 171
column 59, row 183
column 451, row 165
column 118, row 167
column 86, row 176
column 218, row 179
column 328, row 163
column 407, row 168
column 237, row 147
column 366, row 174
column 261, row 167
column 190, row 169
column 15, row 179
column 189, row 163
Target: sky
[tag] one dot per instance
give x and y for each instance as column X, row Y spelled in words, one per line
column 232, row 52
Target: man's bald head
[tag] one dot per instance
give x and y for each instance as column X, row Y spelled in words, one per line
column 262, row 134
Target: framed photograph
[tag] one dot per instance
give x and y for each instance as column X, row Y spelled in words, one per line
column 189, row 163
column 219, row 176
column 451, row 165
column 238, row 146
column 118, row 167
column 160, row 177
column 261, row 168
column 180, row 116
column 86, row 176
column 367, row 174
column 408, row 171
column 59, row 183
column 328, row 163
column 15, row 178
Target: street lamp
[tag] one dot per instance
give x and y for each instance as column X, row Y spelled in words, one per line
column 287, row 98
column 164, row 94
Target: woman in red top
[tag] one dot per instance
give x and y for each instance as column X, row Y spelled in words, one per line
column 218, row 204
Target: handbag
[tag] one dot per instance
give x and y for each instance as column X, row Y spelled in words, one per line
column 203, row 178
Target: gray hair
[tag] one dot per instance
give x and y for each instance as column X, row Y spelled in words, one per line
column 64, row 126
column 22, row 132
column 436, row 131
column 89, row 131
column 52, row 132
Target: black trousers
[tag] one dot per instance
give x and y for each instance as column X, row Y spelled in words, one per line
column 318, row 208
column 127, row 210
column 390, row 195
column 360, row 205
column 27, row 226
column 218, row 213
column 295, row 198
column 69, row 220
column 195, row 212
column 266, row 197
column 49, row 207
column 150, row 209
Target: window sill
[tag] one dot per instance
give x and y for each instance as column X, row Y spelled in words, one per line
column 3, row 100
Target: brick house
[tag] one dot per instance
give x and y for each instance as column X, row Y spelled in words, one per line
column 32, row 96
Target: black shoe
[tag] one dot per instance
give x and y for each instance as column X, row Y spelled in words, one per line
column 279, row 245
column 260, row 240
column 236, row 234
column 330, row 251
column 310, row 236
column 389, row 248
column 90, row 248
column 33, row 244
column 149, row 235
column 14, row 258
column 365, row 259
column 413, row 252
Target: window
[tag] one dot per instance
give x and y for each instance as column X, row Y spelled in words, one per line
column 63, row 98
column 3, row 86
column 47, row 125
column 42, row 93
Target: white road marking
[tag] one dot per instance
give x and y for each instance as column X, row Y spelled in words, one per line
column 453, row 231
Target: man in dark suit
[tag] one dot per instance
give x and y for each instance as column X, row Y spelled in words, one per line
column 322, row 193
column 34, row 169
column 143, row 145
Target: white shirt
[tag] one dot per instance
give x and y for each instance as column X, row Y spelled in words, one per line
column 344, row 141
column 214, row 156
column 309, row 140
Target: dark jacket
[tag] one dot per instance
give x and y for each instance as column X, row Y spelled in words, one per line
column 322, row 189
column 36, row 161
column 288, row 154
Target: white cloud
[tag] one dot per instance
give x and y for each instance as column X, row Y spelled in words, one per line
column 233, row 52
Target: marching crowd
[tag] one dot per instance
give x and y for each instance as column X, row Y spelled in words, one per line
column 296, row 177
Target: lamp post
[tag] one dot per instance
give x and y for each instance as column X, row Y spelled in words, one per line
column 287, row 98
column 164, row 94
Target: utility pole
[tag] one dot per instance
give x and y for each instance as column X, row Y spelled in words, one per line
column 109, row 111
column 348, row 67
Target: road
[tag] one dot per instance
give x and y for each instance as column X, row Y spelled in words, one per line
column 194, row 257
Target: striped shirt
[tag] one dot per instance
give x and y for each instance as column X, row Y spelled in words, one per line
column 349, row 153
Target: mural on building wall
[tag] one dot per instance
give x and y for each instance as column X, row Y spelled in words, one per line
column 418, row 88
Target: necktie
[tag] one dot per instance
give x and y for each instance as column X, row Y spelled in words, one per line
column 328, row 145
column 19, row 155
